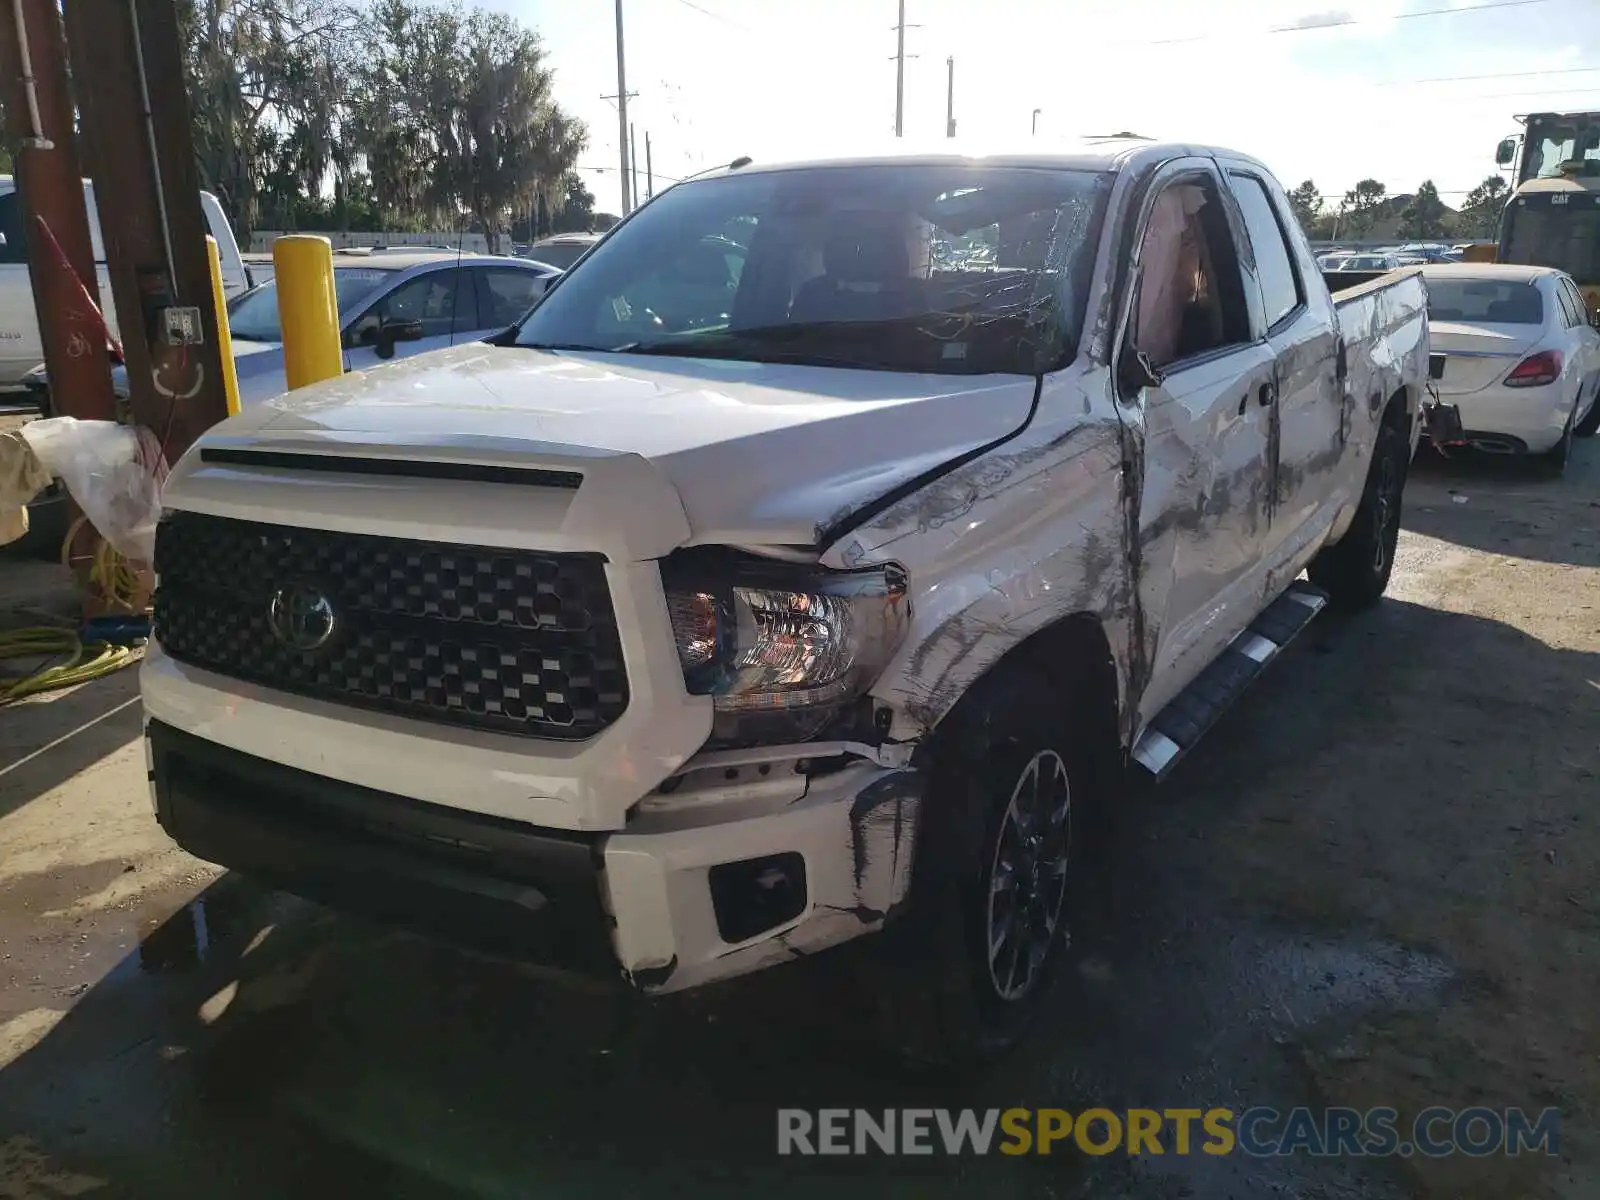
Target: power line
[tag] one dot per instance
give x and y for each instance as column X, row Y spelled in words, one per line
column 1491, row 75
column 1345, row 21
column 706, row 12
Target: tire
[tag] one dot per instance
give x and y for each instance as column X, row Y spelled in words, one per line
column 1355, row 571
column 1010, row 808
column 1554, row 460
column 1590, row 424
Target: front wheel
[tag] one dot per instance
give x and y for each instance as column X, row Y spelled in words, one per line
column 1355, row 571
column 999, row 876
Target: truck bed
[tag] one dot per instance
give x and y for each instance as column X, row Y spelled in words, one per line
column 1383, row 320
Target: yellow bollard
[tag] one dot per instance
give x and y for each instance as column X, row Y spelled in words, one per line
column 308, row 309
column 219, row 301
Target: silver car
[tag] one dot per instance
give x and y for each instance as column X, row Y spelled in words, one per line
column 1522, row 356
column 391, row 305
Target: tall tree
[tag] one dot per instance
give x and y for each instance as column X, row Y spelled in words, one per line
column 1424, row 216
column 1480, row 212
column 265, row 94
column 1306, row 204
column 1362, row 206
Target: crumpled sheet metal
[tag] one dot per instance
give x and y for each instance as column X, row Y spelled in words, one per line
column 1033, row 531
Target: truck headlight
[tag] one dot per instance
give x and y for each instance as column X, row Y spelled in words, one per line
column 767, row 637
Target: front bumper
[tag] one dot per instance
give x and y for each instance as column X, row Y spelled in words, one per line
column 739, row 877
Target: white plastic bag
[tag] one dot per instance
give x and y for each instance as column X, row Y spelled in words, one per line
column 114, row 472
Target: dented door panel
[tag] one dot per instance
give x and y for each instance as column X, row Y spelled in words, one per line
column 1203, row 512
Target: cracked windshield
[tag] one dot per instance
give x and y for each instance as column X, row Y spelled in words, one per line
column 860, row 599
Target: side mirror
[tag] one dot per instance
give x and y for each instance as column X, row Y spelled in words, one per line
column 1135, row 372
column 1505, row 152
column 391, row 332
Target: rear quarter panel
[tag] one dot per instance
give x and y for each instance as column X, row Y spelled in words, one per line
column 1384, row 325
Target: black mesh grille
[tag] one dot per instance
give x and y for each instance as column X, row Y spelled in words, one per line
column 510, row 640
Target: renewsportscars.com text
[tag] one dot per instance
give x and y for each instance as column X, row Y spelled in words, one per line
column 1257, row 1131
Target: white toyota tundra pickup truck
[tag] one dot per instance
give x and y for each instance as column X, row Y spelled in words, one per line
column 809, row 563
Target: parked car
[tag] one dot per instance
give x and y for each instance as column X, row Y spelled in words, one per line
column 704, row 621
column 391, row 305
column 1368, row 262
column 1522, row 357
column 20, row 346
column 562, row 249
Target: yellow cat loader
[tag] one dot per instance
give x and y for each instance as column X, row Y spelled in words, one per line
column 1553, row 216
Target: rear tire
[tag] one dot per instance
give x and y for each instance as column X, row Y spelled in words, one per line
column 1355, row 571
column 1554, row 460
column 1590, row 424
column 1000, row 874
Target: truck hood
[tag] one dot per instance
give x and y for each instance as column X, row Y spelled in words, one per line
column 757, row 452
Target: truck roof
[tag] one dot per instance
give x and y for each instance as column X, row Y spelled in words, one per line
column 1083, row 154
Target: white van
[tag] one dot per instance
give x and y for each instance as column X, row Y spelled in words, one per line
column 20, row 346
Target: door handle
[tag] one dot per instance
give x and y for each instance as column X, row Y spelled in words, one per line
column 1267, row 394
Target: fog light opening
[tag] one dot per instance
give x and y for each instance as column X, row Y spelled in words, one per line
column 757, row 894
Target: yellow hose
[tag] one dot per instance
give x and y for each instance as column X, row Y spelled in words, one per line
column 118, row 585
column 84, row 661
column 109, row 573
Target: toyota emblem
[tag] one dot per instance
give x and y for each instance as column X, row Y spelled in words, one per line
column 302, row 617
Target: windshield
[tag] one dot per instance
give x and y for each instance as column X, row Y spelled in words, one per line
column 1552, row 141
column 1484, row 301
column 557, row 254
column 1565, row 235
column 253, row 317
column 954, row 269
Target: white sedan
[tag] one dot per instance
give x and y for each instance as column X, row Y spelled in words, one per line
column 1522, row 356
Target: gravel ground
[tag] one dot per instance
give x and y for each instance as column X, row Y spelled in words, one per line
column 1373, row 884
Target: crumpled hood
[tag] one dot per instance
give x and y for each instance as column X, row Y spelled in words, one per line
column 757, row 452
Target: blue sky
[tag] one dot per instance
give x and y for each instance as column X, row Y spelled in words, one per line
column 785, row 78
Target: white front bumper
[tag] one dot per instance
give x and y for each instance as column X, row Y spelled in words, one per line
column 854, row 829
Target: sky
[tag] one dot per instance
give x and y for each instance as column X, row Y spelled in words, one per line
column 1330, row 90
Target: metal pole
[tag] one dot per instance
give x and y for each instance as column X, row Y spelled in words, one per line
column 899, row 72
column 154, row 228
column 633, row 155
column 1035, row 130
column 649, row 171
column 50, row 183
column 623, row 131
column 950, row 97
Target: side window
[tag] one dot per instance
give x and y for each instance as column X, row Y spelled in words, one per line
column 13, row 249
column 1190, row 290
column 1280, row 286
column 436, row 299
column 1580, row 307
column 1569, row 316
column 504, row 295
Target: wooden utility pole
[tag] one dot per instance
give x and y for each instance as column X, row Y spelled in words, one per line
column 900, row 72
column 623, row 130
column 61, row 262
column 950, row 97
column 140, row 149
